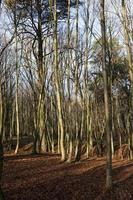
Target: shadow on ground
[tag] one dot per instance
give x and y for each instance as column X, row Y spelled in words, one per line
column 44, row 177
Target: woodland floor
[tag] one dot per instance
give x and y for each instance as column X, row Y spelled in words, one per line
column 44, row 177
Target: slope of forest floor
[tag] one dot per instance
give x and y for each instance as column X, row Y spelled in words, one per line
column 44, row 177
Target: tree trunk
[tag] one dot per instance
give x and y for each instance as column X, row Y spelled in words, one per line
column 1, row 145
column 106, row 99
column 57, row 84
column 41, row 77
column 130, row 63
column 17, row 81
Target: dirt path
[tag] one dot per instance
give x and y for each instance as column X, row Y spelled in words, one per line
column 44, row 177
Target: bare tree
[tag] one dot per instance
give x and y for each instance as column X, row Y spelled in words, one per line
column 106, row 99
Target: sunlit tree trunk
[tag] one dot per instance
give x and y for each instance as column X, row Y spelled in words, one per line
column 106, row 99
column 16, row 80
column 78, row 132
column 58, row 130
column 52, row 126
column 41, row 76
column 70, row 145
column 130, row 63
column 89, row 128
column 87, row 102
column 57, row 84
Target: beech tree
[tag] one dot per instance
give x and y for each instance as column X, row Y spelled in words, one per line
column 107, row 97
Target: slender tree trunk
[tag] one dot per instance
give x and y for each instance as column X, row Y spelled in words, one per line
column 130, row 63
column 77, row 157
column 87, row 106
column 106, row 99
column 70, row 145
column 118, row 124
column 17, row 81
column 89, row 128
column 113, row 131
column 57, row 83
column 1, row 145
column 11, row 126
column 128, row 135
column 41, row 75
column 111, row 68
column 79, row 140
column 58, row 129
column 52, row 128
